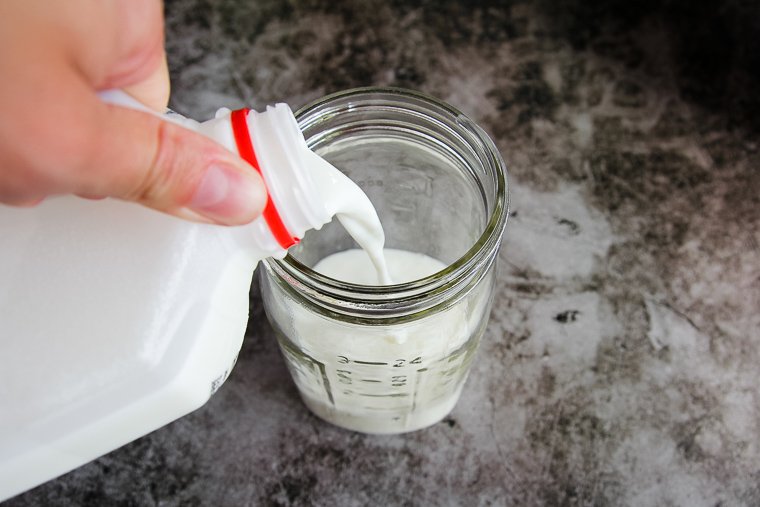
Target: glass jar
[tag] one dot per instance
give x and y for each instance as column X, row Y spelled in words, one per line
column 391, row 359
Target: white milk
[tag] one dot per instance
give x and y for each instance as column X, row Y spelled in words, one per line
column 382, row 379
column 355, row 266
column 377, row 379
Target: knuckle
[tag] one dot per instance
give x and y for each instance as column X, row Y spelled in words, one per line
column 168, row 178
column 156, row 174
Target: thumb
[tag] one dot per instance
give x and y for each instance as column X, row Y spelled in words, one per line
column 169, row 168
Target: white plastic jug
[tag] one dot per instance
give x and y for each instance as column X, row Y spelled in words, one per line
column 116, row 319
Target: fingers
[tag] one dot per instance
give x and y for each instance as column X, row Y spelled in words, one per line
column 140, row 158
column 57, row 137
column 21, row 202
column 144, row 159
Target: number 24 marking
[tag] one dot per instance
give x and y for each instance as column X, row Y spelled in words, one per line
column 398, row 363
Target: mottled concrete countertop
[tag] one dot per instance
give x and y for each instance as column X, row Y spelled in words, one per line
column 620, row 366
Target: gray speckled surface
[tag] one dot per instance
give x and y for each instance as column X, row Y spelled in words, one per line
column 620, row 364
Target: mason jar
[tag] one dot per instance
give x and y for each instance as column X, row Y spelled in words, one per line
column 392, row 359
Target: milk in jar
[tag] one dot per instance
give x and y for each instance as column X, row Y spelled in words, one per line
column 392, row 355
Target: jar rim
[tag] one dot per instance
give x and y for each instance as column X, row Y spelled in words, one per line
column 476, row 259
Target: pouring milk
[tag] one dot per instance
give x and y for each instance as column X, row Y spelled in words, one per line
column 137, row 317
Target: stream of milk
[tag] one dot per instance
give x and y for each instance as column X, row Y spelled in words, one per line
column 346, row 200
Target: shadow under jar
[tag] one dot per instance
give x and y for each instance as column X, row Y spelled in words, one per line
column 392, row 359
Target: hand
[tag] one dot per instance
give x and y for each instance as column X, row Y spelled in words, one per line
column 58, row 137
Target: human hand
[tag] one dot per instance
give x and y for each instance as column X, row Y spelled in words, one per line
column 58, row 137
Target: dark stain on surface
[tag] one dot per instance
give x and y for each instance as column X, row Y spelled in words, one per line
column 572, row 226
column 567, row 316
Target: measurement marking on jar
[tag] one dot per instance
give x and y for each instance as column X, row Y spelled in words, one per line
column 371, row 380
column 344, row 376
column 325, row 382
column 394, row 395
column 416, row 389
column 369, row 408
column 398, row 363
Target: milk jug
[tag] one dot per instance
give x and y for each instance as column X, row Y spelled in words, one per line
column 116, row 319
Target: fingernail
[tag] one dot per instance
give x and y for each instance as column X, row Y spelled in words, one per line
column 28, row 203
column 229, row 196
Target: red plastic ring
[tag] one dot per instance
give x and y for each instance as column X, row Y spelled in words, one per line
column 242, row 135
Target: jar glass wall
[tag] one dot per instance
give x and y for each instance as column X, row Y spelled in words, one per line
column 390, row 359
